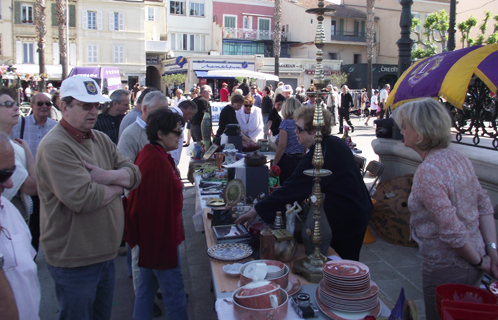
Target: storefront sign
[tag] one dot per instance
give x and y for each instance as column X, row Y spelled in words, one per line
column 222, row 65
column 325, row 72
column 288, row 65
column 152, row 60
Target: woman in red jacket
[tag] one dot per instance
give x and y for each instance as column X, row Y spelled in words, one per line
column 154, row 221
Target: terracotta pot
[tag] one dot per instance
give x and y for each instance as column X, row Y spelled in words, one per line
column 282, row 281
column 244, row 313
column 260, row 295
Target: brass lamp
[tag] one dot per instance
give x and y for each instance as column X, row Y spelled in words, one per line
column 311, row 266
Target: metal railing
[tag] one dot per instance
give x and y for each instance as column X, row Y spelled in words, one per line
column 252, row 34
column 353, row 36
column 478, row 115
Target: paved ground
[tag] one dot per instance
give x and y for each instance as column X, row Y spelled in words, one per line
column 392, row 267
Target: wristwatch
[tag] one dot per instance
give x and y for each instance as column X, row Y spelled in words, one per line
column 491, row 245
column 1, row 261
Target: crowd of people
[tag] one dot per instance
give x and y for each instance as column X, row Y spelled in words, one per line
column 100, row 179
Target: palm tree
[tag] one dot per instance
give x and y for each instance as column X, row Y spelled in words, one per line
column 41, row 31
column 278, row 34
column 61, row 22
column 370, row 43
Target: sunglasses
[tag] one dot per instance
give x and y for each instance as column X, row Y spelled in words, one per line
column 6, row 174
column 299, row 129
column 8, row 104
column 253, row 88
column 177, row 132
column 248, row 105
column 88, row 106
column 41, row 103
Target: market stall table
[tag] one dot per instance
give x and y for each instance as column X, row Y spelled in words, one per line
column 224, row 285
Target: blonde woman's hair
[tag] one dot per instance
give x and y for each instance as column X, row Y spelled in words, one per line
column 290, row 105
column 307, row 113
column 429, row 118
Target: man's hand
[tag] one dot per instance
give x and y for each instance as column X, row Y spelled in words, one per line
column 97, row 174
column 247, row 217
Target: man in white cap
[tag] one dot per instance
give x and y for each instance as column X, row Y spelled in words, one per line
column 287, row 91
column 81, row 177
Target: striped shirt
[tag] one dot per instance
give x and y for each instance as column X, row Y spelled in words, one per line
column 109, row 125
column 293, row 147
column 33, row 132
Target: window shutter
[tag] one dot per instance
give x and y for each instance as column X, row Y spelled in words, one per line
column 35, row 53
column 156, row 17
column 54, row 15
column 19, row 52
column 84, row 19
column 111, row 20
column 17, row 12
column 121, row 21
column 72, row 54
column 89, row 53
column 341, row 30
column 362, row 28
column 99, row 20
column 55, row 53
column 72, row 15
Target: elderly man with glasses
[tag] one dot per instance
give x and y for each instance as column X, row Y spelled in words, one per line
column 19, row 285
column 81, row 176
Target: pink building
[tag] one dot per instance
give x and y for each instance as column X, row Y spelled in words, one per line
column 247, row 26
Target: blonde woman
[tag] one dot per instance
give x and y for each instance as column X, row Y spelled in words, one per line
column 289, row 151
column 451, row 214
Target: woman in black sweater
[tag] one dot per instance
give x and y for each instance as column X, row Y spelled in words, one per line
column 347, row 203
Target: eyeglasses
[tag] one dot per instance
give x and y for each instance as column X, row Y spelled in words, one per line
column 87, row 106
column 253, row 88
column 248, row 105
column 8, row 104
column 6, row 174
column 299, row 129
column 14, row 265
column 47, row 103
column 177, row 132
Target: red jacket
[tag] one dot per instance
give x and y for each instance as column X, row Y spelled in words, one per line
column 224, row 95
column 153, row 215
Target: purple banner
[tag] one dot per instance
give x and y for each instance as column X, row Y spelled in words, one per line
column 110, row 74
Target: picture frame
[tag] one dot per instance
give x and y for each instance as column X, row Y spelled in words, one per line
column 210, row 151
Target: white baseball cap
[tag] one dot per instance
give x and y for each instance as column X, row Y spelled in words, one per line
column 82, row 88
column 287, row 88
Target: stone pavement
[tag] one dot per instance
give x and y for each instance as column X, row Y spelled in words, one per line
column 392, row 266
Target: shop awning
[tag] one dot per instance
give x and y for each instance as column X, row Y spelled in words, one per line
column 206, row 75
column 54, row 71
column 242, row 73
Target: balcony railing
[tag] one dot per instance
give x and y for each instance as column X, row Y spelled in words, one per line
column 353, row 36
column 156, row 46
column 252, row 34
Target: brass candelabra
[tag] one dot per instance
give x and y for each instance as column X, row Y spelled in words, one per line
column 311, row 266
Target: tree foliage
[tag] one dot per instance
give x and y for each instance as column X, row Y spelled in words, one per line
column 338, row 78
column 175, row 79
column 434, row 33
column 465, row 26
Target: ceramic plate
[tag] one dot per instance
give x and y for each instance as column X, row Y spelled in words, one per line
column 229, row 251
column 337, row 315
column 346, row 269
column 232, row 269
column 234, row 191
column 215, row 202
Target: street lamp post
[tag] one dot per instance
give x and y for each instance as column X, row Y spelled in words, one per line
column 451, row 29
column 405, row 43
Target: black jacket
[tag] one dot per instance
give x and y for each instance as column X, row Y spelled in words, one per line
column 347, row 203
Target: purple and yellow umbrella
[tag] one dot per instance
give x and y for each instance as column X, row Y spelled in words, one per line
column 447, row 75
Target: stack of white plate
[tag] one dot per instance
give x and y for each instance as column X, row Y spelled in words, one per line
column 275, row 272
column 346, row 286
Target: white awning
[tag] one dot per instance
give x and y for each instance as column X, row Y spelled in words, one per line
column 54, row 71
column 242, row 73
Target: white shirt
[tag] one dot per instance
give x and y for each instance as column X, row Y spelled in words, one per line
column 23, row 278
column 176, row 154
column 374, row 102
column 251, row 124
column 383, row 95
column 177, row 101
